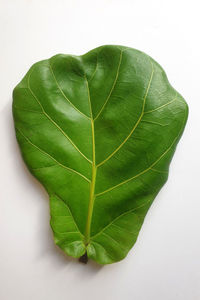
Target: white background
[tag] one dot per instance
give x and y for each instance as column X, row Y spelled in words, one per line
column 165, row 262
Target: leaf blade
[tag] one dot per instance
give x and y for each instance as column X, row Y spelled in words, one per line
column 99, row 132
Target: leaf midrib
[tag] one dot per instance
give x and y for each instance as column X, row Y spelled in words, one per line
column 94, row 171
column 94, row 166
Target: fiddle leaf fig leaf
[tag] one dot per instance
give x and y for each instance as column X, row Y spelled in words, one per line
column 99, row 132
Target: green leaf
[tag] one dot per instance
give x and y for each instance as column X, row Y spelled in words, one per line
column 98, row 131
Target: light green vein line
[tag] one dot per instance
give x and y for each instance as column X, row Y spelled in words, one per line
column 74, row 242
column 47, row 154
column 94, row 171
column 114, row 83
column 149, row 168
column 70, row 212
column 67, row 232
column 61, row 91
column 62, row 216
column 118, row 217
column 41, row 168
column 150, row 111
column 137, row 123
column 158, row 171
column 92, row 76
column 123, row 229
column 52, row 121
column 112, row 239
column 139, row 174
column 108, row 254
column 152, row 122
column 28, row 110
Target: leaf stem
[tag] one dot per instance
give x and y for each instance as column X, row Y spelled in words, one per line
column 84, row 258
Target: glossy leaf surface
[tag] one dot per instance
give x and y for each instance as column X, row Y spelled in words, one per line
column 98, row 131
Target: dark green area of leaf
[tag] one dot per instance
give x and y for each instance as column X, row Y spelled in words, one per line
column 98, row 131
